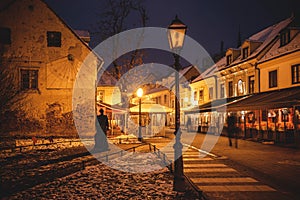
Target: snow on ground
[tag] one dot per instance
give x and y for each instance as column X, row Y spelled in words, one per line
column 103, row 182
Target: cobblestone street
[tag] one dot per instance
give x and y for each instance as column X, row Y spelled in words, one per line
column 102, row 182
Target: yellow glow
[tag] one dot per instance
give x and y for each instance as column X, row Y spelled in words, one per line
column 139, row 92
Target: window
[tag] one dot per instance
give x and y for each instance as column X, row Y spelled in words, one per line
column 53, row 39
column 296, row 74
column 158, row 100
column 222, row 90
column 165, row 99
column 100, row 95
column 201, row 95
column 273, row 79
column 285, row 37
column 195, row 96
column 251, row 84
column 5, row 36
column 211, row 93
column 229, row 59
column 173, row 104
column 230, row 88
column 240, row 87
column 29, row 79
column 245, row 52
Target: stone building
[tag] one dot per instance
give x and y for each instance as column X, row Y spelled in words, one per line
column 43, row 55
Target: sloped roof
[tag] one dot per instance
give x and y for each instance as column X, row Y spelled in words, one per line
column 82, row 33
column 277, row 50
column 107, row 79
column 211, row 70
column 266, row 36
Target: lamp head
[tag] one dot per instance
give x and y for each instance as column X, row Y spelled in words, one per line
column 139, row 92
column 176, row 34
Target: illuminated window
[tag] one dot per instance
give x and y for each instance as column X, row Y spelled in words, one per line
column 222, row 90
column 273, row 79
column 195, row 96
column 29, row 79
column 53, row 39
column 100, row 95
column 296, row 74
column 5, row 36
column 211, row 93
column 201, row 95
column 251, row 84
column 240, row 87
column 165, row 99
column 230, row 88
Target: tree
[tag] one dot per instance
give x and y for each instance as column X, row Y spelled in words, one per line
column 117, row 18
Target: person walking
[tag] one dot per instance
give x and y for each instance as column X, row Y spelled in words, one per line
column 188, row 124
column 101, row 143
column 231, row 129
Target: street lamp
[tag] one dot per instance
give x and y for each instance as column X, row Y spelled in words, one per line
column 139, row 93
column 176, row 35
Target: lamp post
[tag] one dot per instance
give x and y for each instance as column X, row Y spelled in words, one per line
column 176, row 34
column 139, row 93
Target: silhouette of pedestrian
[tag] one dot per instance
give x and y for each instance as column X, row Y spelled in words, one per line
column 231, row 129
column 188, row 124
column 101, row 143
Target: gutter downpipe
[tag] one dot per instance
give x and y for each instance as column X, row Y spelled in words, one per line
column 258, row 74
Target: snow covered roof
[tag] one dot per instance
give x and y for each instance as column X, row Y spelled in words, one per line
column 211, row 71
column 107, row 79
column 83, row 34
column 277, row 50
column 266, row 36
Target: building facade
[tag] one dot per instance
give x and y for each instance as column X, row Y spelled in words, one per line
column 44, row 56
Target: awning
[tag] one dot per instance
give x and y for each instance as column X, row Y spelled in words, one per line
column 268, row 100
column 216, row 105
column 151, row 108
column 112, row 108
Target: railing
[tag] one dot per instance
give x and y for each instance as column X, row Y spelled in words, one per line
column 152, row 148
column 20, row 148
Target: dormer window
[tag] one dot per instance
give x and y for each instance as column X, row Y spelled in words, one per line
column 229, row 59
column 285, row 37
column 245, row 52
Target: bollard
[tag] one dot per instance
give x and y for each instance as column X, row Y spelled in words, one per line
column 154, row 148
column 150, row 147
column 133, row 149
column 106, row 158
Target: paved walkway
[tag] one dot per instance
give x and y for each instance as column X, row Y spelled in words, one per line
column 221, row 178
column 219, row 181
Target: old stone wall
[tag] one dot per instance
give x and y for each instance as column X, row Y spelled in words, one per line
column 48, row 108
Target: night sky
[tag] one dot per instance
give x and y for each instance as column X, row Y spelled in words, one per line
column 208, row 22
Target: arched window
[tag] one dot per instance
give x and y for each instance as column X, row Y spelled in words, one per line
column 241, row 88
